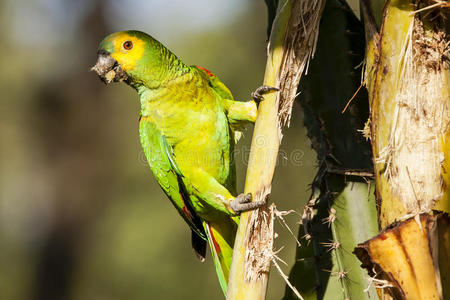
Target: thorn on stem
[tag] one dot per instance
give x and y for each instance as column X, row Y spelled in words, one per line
column 331, row 217
column 332, row 245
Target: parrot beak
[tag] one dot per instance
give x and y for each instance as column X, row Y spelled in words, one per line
column 108, row 69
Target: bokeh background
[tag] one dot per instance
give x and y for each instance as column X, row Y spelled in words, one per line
column 81, row 216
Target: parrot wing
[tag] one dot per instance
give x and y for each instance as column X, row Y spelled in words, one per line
column 163, row 165
column 160, row 159
column 216, row 84
column 225, row 93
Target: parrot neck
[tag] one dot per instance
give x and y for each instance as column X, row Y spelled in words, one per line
column 158, row 70
column 159, row 91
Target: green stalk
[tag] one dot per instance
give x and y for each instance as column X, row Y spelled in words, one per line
column 290, row 46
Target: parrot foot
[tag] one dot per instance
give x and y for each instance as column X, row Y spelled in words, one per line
column 243, row 203
column 257, row 95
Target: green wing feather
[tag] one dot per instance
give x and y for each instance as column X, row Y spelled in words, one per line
column 225, row 93
column 163, row 165
column 169, row 177
column 216, row 84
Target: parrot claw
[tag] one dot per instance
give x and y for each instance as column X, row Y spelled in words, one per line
column 257, row 95
column 243, row 203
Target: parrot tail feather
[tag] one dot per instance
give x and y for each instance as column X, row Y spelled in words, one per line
column 199, row 246
column 221, row 254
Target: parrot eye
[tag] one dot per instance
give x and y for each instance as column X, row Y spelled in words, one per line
column 128, row 45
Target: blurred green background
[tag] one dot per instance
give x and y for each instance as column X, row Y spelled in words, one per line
column 81, row 216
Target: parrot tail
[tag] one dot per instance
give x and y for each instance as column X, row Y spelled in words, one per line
column 222, row 252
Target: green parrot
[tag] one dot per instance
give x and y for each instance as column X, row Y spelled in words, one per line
column 189, row 123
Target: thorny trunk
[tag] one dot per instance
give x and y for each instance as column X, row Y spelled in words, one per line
column 407, row 76
column 341, row 211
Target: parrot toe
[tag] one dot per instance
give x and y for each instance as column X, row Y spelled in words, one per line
column 257, row 95
column 243, row 203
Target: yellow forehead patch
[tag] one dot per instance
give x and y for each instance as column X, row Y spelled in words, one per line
column 127, row 58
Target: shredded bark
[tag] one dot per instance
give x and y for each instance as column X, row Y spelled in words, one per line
column 259, row 243
column 412, row 158
column 300, row 45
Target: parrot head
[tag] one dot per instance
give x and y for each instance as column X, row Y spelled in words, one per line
column 131, row 56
